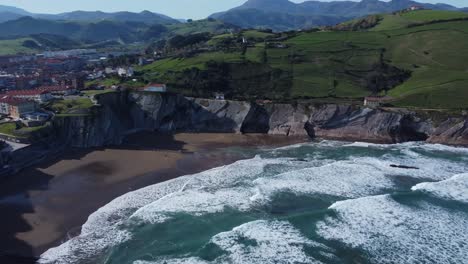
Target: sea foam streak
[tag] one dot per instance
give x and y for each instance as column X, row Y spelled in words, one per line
column 455, row 188
column 265, row 242
column 341, row 170
column 394, row 233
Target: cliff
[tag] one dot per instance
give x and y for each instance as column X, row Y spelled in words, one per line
column 121, row 113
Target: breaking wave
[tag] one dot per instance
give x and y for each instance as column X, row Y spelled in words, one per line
column 308, row 203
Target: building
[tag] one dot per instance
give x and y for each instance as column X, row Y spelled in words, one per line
column 109, row 70
column 59, row 90
column 7, row 81
column 415, row 7
column 4, row 106
column 125, row 72
column 26, row 82
column 36, row 116
column 76, row 81
column 16, row 107
column 155, row 87
column 38, row 95
column 219, row 96
column 376, row 101
column 68, row 53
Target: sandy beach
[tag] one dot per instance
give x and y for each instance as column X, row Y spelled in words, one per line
column 42, row 206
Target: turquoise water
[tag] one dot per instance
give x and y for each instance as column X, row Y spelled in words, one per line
column 325, row 202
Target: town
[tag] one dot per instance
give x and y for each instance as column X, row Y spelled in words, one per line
column 31, row 84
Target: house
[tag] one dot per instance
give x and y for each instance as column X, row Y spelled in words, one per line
column 59, row 90
column 36, row 116
column 415, row 7
column 76, row 81
column 16, row 107
column 155, row 87
column 109, row 70
column 26, row 82
column 219, row 96
column 4, row 106
column 125, row 72
column 376, row 101
column 38, row 95
column 7, row 81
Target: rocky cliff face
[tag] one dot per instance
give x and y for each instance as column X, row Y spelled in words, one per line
column 122, row 113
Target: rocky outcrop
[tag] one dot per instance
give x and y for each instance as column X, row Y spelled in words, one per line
column 123, row 113
column 453, row 131
column 365, row 124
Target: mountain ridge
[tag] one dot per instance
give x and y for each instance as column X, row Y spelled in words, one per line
column 8, row 13
column 312, row 12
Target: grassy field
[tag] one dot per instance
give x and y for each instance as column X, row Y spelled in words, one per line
column 432, row 57
column 79, row 106
column 398, row 21
column 255, row 34
column 17, row 130
column 198, row 26
column 15, row 46
column 97, row 92
column 8, row 129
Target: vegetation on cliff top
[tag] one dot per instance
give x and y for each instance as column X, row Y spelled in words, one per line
column 19, row 130
column 419, row 65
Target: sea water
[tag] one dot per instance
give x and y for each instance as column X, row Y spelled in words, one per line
column 318, row 202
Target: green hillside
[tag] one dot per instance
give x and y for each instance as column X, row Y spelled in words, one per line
column 199, row 26
column 15, row 46
column 56, row 35
column 420, row 66
column 405, row 19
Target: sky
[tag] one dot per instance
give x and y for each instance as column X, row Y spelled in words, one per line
column 194, row 9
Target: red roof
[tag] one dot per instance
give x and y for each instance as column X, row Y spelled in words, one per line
column 38, row 91
column 54, row 88
column 12, row 100
column 26, row 92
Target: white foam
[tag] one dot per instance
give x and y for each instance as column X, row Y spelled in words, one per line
column 106, row 227
column 196, row 202
column 455, row 188
column 367, row 145
column 276, row 242
column 344, row 179
column 174, row 261
column 439, row 147
column 394, row 233
column 245, row 184
column 259, row 242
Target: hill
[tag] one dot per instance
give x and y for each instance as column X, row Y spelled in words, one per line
column 88, row 32
column 50, row 34
column 420, row 65
column 11, row 13
column 14, row 10
column 8, row 13
column 86, row 16
column 289, row 15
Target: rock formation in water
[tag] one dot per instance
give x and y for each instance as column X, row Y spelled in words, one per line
column 125, row 112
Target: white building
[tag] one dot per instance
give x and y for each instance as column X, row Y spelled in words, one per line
column 125, row 72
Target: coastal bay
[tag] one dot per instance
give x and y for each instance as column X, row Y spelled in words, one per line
column 45, row 205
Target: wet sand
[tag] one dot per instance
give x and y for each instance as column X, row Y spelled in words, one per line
column 42, row 206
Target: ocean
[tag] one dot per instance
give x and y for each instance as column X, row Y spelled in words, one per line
column 316, row 202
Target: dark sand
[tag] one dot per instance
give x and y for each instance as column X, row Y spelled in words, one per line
column 43, row 206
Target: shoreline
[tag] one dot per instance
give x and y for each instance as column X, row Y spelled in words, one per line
column 50, row 201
